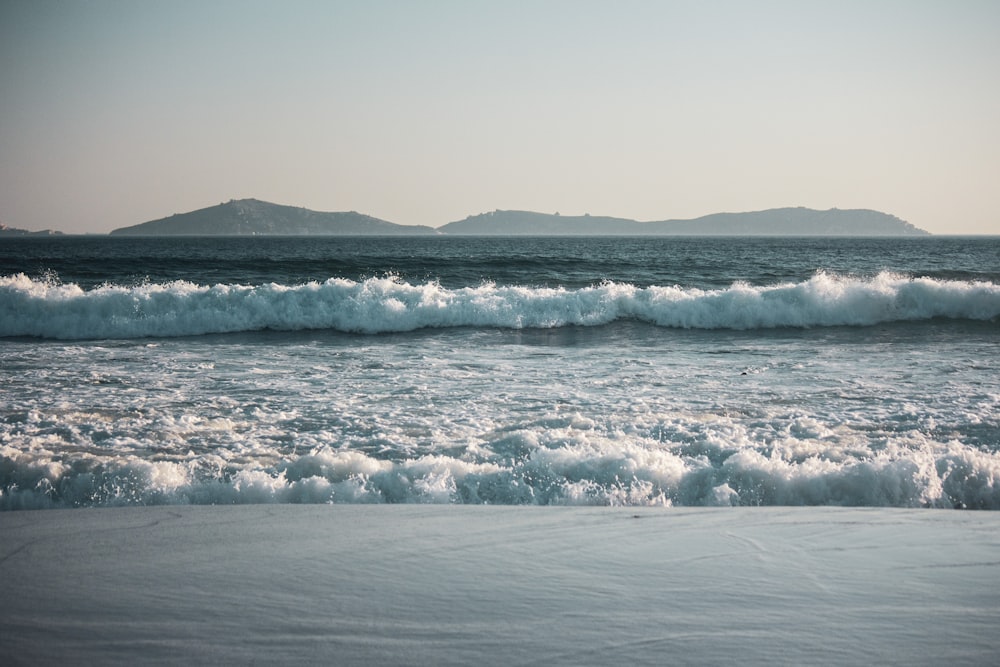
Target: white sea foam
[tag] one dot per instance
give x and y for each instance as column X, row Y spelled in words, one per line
column 48, row 309
column 561, row 467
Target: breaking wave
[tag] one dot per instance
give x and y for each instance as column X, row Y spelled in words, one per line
column 46, row 308
column 579, row 471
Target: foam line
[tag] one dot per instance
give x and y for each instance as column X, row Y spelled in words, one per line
column 49, row 309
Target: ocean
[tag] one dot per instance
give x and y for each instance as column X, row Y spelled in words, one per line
column 669, row 371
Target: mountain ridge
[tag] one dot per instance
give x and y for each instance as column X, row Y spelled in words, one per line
column 797, row 221
column 253, row 217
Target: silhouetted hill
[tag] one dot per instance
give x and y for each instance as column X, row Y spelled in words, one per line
column 252, row 217
column 529, row 223
column 773, row 222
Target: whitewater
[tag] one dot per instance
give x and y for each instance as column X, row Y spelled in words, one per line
column 601, row 371
column 49, row 309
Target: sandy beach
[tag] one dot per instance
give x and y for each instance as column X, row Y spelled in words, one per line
column 411, row 585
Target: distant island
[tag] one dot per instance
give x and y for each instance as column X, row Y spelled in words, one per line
column 14, row 231
column 252, row 217
column 774, row 222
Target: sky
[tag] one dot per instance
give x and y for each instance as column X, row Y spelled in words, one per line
column 115, row 112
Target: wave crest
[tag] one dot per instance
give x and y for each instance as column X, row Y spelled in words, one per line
column 581, row 472
column 48, row 309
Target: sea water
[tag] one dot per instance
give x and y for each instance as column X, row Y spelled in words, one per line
column 625, row 371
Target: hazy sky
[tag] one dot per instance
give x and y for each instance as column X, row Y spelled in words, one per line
column 114, row 112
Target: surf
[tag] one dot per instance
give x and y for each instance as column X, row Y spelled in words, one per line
column 47, row 308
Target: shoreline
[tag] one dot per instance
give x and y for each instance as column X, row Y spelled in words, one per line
column 433, row 584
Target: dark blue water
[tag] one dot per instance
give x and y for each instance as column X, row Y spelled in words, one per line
column 456, row 262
